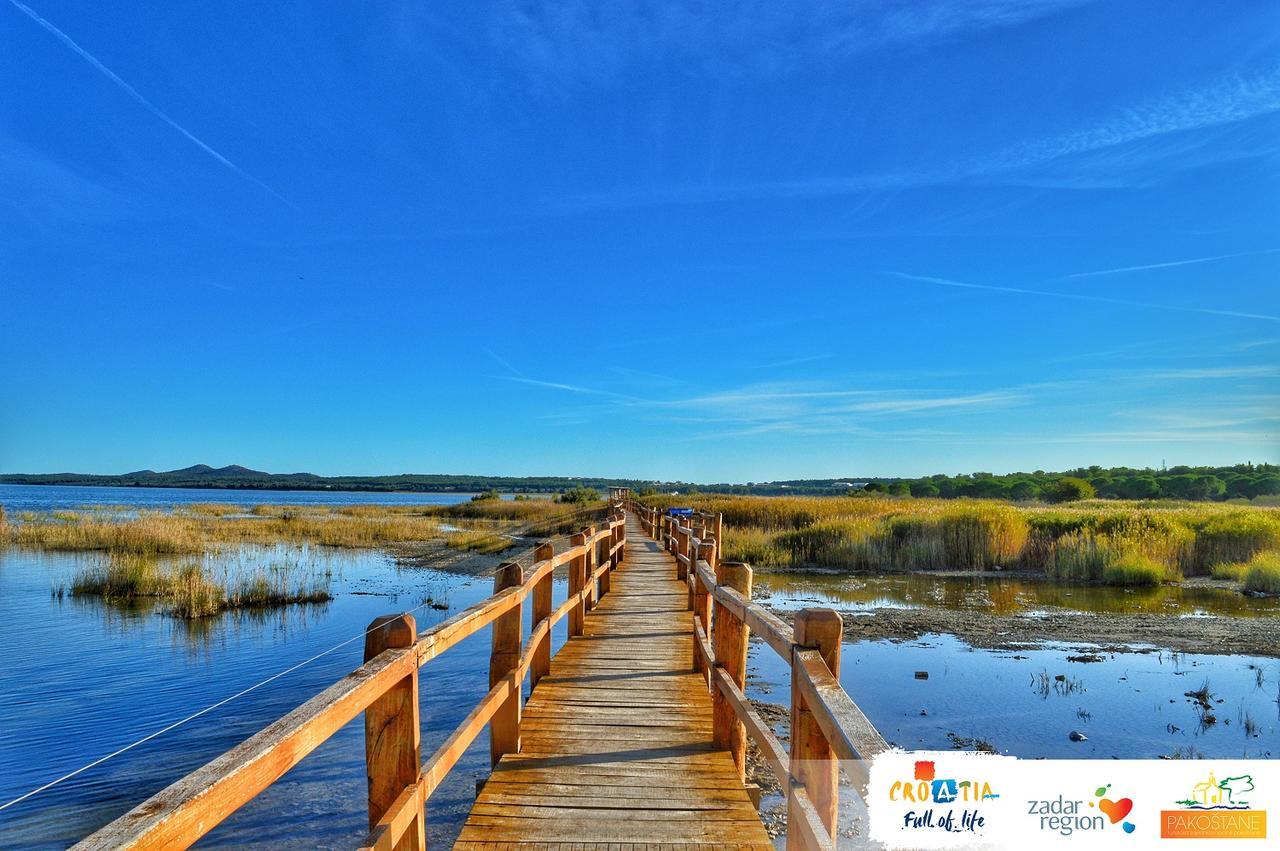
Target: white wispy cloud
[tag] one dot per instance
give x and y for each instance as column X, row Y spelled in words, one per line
column 1170, row 264
column 793, row 361
column 1146, row 305
column 1219, row 372
column 570, row 388
column 501, row 361
column 557, row 47
column 142, row 100
column 1093, row 155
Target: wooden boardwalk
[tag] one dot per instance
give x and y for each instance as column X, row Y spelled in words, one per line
column 616, row 749
column 635, row 734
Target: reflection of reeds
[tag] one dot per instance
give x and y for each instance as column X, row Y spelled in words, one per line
column 189, row 589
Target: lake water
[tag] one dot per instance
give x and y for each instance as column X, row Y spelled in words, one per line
column 17, row 498
column 79, row 679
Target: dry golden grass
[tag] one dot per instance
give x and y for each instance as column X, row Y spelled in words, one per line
column 1101, row 540
column 154, row 533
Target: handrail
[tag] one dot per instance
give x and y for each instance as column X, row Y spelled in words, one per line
column 386, row 687
column 827, row 724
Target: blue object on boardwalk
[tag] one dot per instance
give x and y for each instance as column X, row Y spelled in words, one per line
column 680, row 512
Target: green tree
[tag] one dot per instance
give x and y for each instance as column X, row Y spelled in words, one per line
column 924, row 489
column 1068, row 489
column 1024, row 490
column 900, row 489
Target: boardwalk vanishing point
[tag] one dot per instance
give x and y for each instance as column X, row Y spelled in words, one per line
column 632, row 737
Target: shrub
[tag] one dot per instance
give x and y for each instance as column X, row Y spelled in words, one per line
column 579, row 496
column 486, row 495
column 1263, row 575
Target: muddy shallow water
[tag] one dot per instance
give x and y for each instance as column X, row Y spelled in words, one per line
column 1001, row 612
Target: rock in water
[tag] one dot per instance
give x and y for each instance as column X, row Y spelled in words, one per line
column 1077, row 736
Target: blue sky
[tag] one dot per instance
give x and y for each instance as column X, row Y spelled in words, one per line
column 692, row 241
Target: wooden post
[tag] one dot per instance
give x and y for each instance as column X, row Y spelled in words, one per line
column 504, row 729
column 391, row 730
column 682, row 549
column 812, row 762
column 719, row 529
column 701, row 602
column 612, row 558
column 593, row 552
column 729, row 637
column 540, row 665
column 577, row 580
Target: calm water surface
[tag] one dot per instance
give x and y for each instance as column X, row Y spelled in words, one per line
column 17, row 498
column 865, row 592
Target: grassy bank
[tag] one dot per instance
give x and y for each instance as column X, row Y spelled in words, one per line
column 486, row 526
column 1128, row 543
column 198, row 528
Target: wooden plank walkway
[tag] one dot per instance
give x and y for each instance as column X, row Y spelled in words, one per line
column 616, row 743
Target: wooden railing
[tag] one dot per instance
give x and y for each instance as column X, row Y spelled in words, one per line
column 385, row 689
column 828, row 730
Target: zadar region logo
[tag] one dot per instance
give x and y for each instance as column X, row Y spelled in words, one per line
column 1216, row 809
column 1066, row 816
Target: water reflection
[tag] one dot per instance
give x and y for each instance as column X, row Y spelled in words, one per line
column 1001, row 595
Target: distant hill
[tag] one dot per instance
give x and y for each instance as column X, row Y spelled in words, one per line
column 1240, row 481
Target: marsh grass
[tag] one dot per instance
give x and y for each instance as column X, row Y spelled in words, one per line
column 479, row 541
column 1134, row 569
column 1235, row 571
column 753, row 546
column 192, row 533
column 193, row 589
column 1263, row 574
column 533, row 517
column 1234, row 537
column 1094, row 540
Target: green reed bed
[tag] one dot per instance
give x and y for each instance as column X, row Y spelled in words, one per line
column 1263, row 574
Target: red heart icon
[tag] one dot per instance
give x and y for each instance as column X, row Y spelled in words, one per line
column 1116, row 810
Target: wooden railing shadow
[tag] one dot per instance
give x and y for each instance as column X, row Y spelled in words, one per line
column 828, row 730
column 385, row 689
